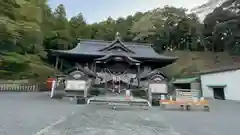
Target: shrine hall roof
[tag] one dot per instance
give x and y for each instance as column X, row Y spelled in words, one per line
column 96, row 48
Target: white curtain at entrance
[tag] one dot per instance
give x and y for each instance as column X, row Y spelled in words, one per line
column 124, row 77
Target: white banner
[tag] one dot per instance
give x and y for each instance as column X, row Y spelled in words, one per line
column 128, row 93
column 116, row 78
column 158, row 88
column 75, row 85
column 53, row 88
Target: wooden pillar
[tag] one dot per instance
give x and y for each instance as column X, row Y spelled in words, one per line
column 105, row 71
column 138, row 74
column 149, row 92
column 57, row 60
column 61, row 63
column 95, row 67
column 92, row 66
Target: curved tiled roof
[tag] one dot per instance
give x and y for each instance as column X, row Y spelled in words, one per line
column 92, row 47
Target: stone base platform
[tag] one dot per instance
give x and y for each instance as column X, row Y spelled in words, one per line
column 118, row 100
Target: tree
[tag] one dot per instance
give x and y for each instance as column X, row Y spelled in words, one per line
column 60, row 31
column 79, row 28
column 222, row 27
column 21, row 22
column 169, row 27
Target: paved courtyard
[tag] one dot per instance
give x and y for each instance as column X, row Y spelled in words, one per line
column 223, row 119
column 36, row 114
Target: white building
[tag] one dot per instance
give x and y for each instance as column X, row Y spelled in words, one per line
column 221, row 84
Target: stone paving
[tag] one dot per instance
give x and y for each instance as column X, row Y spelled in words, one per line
column 27, row 113
column 105, row 121
column 223, row 119
column 36, row 114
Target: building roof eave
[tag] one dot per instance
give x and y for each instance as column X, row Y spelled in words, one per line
column 219, row 70
column 145, row 75
column 106, row 57
column 158, row 58
column 185, row 80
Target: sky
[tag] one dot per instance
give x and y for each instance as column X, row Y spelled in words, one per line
column 99, row 10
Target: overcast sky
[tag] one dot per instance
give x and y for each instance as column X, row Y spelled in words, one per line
column 98, row 10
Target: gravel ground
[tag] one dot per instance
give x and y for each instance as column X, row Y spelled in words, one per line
column 223, row 119
column 27, row 113
column 36, row 114
column 105, row 121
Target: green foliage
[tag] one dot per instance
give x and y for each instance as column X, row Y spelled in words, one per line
column 14, row 66
column 139, row 93
column 171, row 28
column 97, row 91
column 221, row 31
column 28, row 27
column 17, row 66
column 190, row 63
column 27, row 24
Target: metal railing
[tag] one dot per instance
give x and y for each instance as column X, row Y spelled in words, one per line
column 18, row 86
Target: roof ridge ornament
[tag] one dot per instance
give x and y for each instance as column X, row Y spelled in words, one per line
column 115, row 43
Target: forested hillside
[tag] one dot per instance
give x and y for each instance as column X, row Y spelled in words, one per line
column 29, row 27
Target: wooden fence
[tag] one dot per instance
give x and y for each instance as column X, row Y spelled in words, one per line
column 18, row 86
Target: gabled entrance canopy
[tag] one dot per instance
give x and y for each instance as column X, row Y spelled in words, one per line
column 151, row 74
column 117, row 44
column 85, row 70
column 119, row 58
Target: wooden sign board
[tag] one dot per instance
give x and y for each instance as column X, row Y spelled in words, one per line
column 158, row 88
column 158, row 85
column 75, row 85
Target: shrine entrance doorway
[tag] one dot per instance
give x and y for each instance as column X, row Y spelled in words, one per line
column 119, row 71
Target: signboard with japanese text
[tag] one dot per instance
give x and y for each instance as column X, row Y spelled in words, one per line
column 158, row 88
column 75, row 85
